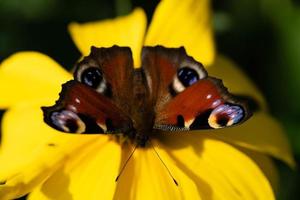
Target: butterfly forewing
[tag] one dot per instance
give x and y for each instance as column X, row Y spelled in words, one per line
column 115, row 68
column 161, row 65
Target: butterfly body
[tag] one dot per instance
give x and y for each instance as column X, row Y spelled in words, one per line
column 171, row 91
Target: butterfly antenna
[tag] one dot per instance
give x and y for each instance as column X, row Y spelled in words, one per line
column 120, row 173
column 176, row 183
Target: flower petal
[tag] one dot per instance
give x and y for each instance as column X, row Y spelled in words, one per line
column 122, row 31
column 31, row 150
column 23, row 130
column 184, row 23
column 28, row 76
column 145, row 177
column 90, row 175
column 260, row 133
column 266, row 164
column 227, row 172
column 44, row 161
column 235, row 80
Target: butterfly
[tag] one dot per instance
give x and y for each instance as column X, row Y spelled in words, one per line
column 170, row 92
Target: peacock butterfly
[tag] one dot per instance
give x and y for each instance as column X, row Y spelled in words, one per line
column 170, row 92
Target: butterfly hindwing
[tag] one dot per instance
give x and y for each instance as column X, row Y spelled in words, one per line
column 183, row 94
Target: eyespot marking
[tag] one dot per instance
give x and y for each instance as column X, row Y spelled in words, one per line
column 187, row 75
column 226, row 115
column 222, row 120
column 67, row 121
column 91, row 75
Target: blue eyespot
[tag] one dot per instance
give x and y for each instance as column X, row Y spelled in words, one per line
column 187, row 76
column 226, row 115
column 92, row 77
column 67, row 121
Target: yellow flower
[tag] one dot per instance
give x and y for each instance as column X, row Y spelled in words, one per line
column 232, row 163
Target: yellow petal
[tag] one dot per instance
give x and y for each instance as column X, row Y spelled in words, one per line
column 23, row 130
column 260, row 133
column 266, row 164
column 220, row 170
column 44, row 161
column 28, row 76
column 184, row 23
column 23, row 171
column 122, row 31
column 235, row 80
column 145, row 177
column 31, row 150
column 89, row 175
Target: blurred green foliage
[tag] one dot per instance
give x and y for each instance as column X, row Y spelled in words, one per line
column 29, row 9
column 262, row 36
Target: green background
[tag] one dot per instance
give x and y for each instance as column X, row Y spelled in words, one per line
column 261, row 36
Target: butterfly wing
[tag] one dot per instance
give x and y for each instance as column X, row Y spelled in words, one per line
column 97, row 100
column 184, row 96
column 115, row 67
column 82, row 110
